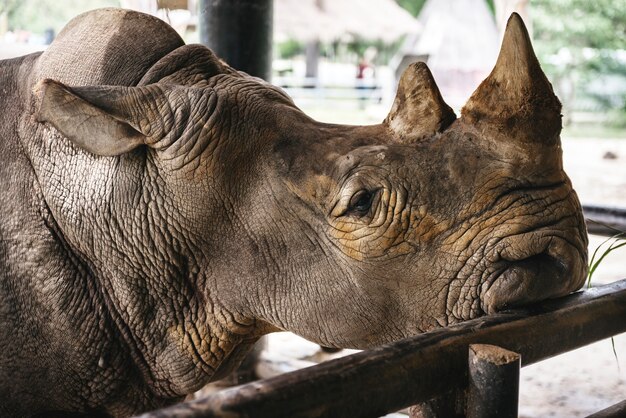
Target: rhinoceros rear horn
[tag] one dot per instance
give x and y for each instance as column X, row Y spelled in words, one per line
column 516, row 99
column 104, row 120
column 418, row 110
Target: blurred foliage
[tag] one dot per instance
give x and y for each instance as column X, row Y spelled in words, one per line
column 39, row 15
column 353, row 50
column 384, row 51
column 582, row 47
column 412, row 6
column 599, row 24
column 290, row 48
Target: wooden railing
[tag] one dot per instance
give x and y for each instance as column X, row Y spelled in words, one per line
column 310, row 89
column 431, row 370
column 606, row 221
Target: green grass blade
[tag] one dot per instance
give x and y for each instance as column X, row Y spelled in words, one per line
column 593, row 264
column 604, row 254
column 618, row 241
column 615, row 353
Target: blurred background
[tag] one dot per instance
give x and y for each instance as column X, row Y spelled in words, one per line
column 335, row 57
column 340, row 60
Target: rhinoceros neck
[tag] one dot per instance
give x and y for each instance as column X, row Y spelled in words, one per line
column 115, row 219
column 115, row 222
column 97, row 255
column 51, row 289
column 156, row 284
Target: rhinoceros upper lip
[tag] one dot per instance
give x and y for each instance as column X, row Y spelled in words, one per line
column 549, row 267
column 514, row 284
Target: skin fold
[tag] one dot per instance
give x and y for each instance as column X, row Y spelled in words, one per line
column 162, row 211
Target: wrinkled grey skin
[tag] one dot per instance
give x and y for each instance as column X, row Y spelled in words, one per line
column 149, row 235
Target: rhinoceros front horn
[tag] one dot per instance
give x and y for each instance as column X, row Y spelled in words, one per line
column 418, row 110
column 516, row 99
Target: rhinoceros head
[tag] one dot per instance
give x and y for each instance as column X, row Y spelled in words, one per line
column 348, row 235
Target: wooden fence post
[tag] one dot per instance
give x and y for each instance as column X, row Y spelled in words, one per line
column 449, row 405
column 493, row 389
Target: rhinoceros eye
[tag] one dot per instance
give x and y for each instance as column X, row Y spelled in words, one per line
column 360, row 203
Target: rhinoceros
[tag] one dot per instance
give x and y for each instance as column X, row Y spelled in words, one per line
column 161, row 211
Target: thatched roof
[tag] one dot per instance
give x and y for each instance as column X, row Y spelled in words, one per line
column 460, row 43
column 457, row 34
column 309, row 20
column 329, row 20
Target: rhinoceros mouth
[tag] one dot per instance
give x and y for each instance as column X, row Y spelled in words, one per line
column 550, row 266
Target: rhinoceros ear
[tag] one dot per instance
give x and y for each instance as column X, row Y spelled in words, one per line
column 418, row 110
column 516, row 99
column 103, row 120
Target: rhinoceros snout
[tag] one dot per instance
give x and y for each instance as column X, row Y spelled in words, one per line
column 548, row 268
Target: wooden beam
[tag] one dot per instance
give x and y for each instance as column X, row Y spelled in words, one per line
column 606, row 221
column 385, row 379
column 615, row 411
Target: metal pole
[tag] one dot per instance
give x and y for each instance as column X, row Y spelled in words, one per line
column 493, row 382
column 239, row 32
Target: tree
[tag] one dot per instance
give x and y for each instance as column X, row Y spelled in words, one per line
column 412, row 6
column 579, row 41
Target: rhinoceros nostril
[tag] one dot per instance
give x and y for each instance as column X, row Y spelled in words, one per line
column 545, row 260
column 536, row 277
